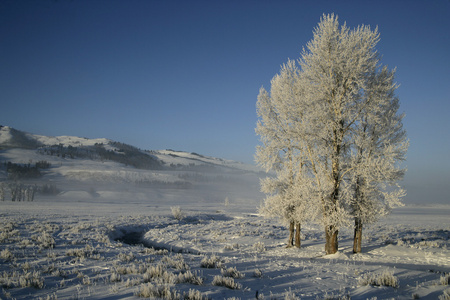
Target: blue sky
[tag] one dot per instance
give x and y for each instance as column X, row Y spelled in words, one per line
column 185, row 75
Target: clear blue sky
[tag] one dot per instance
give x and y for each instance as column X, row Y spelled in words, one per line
column 185, row 74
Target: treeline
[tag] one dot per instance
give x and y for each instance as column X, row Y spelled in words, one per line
column 25, row 171
column 123, row 153
column 17, row 191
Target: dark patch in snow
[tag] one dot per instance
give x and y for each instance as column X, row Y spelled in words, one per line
column 137, row 239
column 131, row 238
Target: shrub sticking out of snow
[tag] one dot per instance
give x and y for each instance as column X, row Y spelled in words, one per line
column 45, row 240
column 226, row 282
column 31, row 279
column 160, row 273
column 386, row 278
column 194, row 295
column 211, row 262
column 232, row 272
column 445, row 295
column 258, row 273
column 176, row 262
column 189, row 277
column 290, row 295
column 444, row 279
column 126, row 257
column 259, row 247
column 6, row 254
column 163, row 291
column 177, row 213
column 115, row 277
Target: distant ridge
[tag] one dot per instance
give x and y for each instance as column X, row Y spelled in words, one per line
column 106, row 149
column 12, row 138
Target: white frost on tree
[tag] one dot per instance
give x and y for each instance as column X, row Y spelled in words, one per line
column 282, row 152
column 331, row 131
column 379, row 146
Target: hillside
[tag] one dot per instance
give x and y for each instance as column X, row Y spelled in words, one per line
column 105, row 149
column 74, row 168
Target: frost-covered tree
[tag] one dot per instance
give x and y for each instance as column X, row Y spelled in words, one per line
column 281, row 151
column 340, row 67
column 379, row 146
column 337, row 120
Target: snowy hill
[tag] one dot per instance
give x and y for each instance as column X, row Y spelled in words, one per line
column 84, row 168
column 106, row 149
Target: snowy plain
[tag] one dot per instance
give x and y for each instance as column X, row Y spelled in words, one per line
column 105, row 235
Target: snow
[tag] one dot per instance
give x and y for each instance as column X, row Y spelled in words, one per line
column 91, row 241
column 240, row 240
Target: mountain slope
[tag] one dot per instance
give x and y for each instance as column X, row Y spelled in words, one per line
column 106, row 149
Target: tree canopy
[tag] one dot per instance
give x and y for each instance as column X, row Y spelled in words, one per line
column 331, row 131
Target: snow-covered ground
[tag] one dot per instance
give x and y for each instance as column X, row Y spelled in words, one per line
column 76, row 248
column 116, row 232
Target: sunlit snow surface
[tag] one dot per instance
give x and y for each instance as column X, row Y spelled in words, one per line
column 72, row 245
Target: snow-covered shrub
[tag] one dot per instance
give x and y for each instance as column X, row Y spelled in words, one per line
column 163, row 291
column 430, row 244
column 6, row 254
column 444, row 279
column 177, row 213
column 8, row 231
column 25, row 242
column 194, row 295
column 45, row 240
column 86, row 280
column 132, row 282
column 159, row 273
column 31, row 279
column 114, row 289
column 26, row 266
column 445, row 295
column 81, row 253
column 332, row 296
column 231, row 247
column 232, row 272
column 226, row 282
column 153, row 251
column 115, row 277
column 259, row 247
column 258, row 273
column 386, row 278
column 211, row 262
column 124, row 270
column 126, row 257
column 189, row 277
column 6, row 279
column 290, row 295
column 176, row 262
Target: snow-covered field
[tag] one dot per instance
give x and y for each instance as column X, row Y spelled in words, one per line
column 76, row 248
column 116, row 232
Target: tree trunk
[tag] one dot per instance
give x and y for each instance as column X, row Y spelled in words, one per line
column 290, row 241
column 297, row 235
column 331, row 239
column 358, row 236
